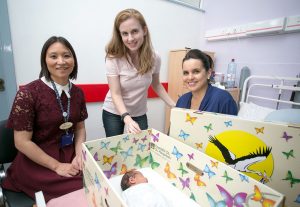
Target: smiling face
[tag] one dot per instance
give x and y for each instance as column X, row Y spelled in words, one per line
column 195, row 77
column 60, row 63
column 132, row 34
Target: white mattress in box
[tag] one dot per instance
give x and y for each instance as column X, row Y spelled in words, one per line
column 170, row 192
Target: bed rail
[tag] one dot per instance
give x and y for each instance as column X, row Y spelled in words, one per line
column 247, row 88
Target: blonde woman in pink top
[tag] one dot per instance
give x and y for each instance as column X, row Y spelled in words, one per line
column 131, row 66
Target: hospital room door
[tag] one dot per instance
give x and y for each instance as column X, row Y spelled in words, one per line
column 8, row 85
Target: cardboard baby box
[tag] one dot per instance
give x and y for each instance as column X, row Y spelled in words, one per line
column 202, row 179
column 265, row 151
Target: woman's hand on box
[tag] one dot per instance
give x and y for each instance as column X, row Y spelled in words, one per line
column 131, row 126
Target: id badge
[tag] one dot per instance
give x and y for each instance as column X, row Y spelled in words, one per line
column 66, row 139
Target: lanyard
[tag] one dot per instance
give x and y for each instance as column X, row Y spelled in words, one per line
column 65, row 114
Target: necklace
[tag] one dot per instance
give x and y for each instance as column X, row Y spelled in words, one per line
column 65, row 114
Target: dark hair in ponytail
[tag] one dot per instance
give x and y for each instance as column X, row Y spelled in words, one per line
column 199, row 55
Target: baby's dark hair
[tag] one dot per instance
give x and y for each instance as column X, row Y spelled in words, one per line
column 125, row 184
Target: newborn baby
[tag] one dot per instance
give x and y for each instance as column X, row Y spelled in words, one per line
column 138, row 192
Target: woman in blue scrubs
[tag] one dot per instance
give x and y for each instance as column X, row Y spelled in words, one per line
column 196, row 69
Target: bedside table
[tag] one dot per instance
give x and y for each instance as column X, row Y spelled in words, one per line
column 235, row 93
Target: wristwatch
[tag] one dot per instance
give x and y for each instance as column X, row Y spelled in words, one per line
column 124, row 115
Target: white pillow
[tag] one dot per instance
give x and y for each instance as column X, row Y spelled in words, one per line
column 253, row 112
column 290, row 116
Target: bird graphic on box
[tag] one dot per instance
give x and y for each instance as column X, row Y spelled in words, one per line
column 243, row 163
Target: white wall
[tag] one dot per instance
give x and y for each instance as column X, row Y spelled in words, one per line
column 88, row 26
column 277, row 55
column 266, row 54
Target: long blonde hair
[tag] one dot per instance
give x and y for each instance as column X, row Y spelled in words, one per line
column 117, row 49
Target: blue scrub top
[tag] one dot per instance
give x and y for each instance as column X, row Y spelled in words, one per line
column 215, row 100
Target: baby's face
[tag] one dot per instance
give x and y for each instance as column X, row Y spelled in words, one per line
column 140, row 178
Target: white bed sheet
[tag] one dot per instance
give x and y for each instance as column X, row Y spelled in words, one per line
column 254, row 112
column 171, row 193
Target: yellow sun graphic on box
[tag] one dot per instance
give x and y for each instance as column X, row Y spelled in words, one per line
column 242, row 144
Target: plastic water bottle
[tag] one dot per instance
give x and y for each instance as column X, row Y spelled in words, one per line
column 231, row 73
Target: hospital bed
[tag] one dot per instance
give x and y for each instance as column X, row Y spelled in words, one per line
column 268, row 98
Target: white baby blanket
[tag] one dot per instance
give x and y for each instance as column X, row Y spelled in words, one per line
column 173, row 195
column 145, row 195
